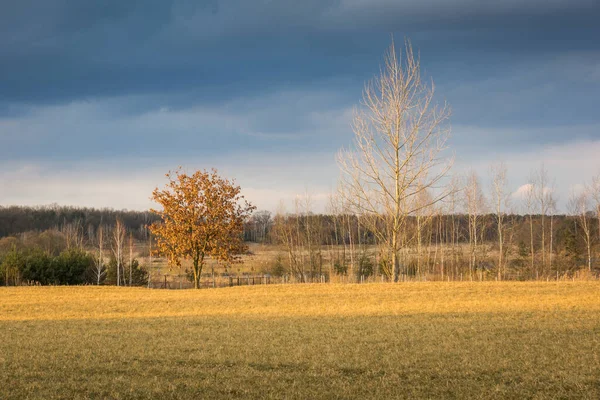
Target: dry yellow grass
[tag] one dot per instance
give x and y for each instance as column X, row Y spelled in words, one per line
column 425, row 340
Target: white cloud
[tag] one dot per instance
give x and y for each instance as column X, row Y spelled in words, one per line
column 522, row 191
column 265, row 180
column 570, row 165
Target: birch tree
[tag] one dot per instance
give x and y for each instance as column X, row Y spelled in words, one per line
column 594, row 190
column 541, row 193
column 118, row 244
column 579, row 206
column 475, row 204
column 130, row 258
column 99, row 269
column 500, row 200
column 400, row 133
column 284, row 232
column 553, row 209
column 453, row 201
column 529, row 200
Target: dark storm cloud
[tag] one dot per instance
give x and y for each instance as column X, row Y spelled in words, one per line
column 55, row 51
column 78, row 76
column 265, row 89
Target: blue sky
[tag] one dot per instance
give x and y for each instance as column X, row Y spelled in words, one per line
column 99, row 99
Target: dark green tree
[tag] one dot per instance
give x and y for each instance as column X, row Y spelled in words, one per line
column 71, row 267
column 38, row 268
column 572, row 247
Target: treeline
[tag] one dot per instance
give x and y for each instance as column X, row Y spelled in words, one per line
column 33, row 266
column 262, row 227
column 437, row 246
column 464, row 234
column 102, row 255
column 15, row 220
column 468, row 235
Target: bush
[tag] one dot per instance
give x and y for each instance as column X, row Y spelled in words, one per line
column 340, row 268
column 365, row 266
column 71, row 266
column 38, row 267
column 278, row 269
column 385, row 267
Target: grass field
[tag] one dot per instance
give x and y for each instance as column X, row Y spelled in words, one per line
column 413, row 340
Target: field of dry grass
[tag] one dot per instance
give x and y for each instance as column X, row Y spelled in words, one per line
column 411, row 340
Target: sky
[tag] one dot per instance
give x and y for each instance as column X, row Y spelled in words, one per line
column 98, row 100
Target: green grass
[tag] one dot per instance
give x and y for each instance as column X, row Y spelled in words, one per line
column 420, row 340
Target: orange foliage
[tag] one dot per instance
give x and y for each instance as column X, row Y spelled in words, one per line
column 202, row 216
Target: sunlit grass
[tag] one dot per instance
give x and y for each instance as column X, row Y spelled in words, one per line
column 428, row 340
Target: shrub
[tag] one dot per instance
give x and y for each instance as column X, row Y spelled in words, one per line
column 71, row 266
column 340, row 268
column 365, row 266
column 277, row 268
column 38, row 267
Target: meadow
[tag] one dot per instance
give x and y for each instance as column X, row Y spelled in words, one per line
column 410, row 340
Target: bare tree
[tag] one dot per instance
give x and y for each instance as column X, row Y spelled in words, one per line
column 594, row 190
column 118, row 244
column 400, row 134
column 553, row 209
column 475, row 204
column 529, row 200
column 348, row 216
column 542, row 192
column 333, row 209
column 453, row 202
column 501, row 200
column 299, row 236
column 579, row 205
column 423, row 217
column 130, row 258
column 309, row 231
column 284, row 232
column 263, row 221
column 441, row 238
column 100, row 270
column 73, row 232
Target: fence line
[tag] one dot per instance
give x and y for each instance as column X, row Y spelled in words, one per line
column 221, row 281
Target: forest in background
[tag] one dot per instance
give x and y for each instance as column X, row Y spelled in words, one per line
column 305, row 246
column 15, row 220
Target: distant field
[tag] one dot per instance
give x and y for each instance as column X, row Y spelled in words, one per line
column 410, row 340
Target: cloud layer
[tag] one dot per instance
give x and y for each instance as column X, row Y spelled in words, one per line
column 100, row 100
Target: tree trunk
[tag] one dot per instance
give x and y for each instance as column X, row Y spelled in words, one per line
column 198, row 264
column 550, row 256
column 130, row 258
column 589, row 249
column 196, row 279
column 197, row 272
column 395, row 261
column 531, row 243
column 501, row 249
column 395, row 266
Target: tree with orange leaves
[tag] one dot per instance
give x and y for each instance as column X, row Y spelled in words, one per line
column 202, row 217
